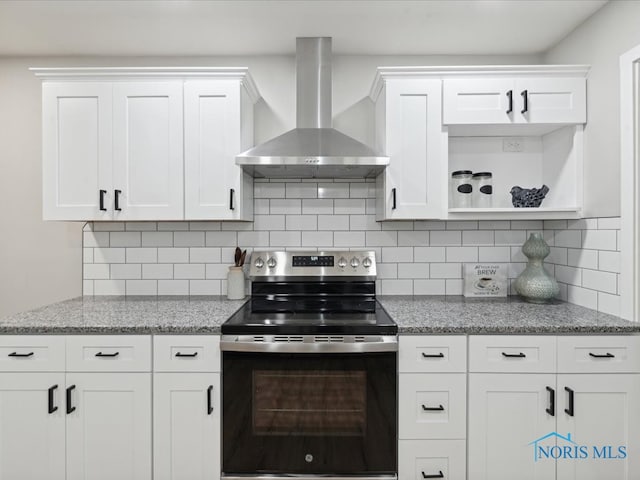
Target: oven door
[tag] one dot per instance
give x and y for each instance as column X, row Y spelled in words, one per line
column 309, row 413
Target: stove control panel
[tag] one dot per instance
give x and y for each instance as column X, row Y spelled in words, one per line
column 267, row 265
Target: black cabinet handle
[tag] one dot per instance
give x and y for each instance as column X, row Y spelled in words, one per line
column 102, row 194
column 20, row 355
column 393, row 197
column 232, row 193
column 569, row 411
column 209, row 400
column 52, row 408
column 180, row 354
column 525, row 99
column 510, row 97
column 606, row 355
column 69, row 407
column 433, row 355
column 439, row 408
column 437, row 475
column 108, row 355
column 116, row 200
column 513, row 355
column 551, row 409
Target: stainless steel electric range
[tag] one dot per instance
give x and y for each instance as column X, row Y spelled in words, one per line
column 309, row 371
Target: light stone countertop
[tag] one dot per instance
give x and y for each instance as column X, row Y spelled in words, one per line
column 413, row 314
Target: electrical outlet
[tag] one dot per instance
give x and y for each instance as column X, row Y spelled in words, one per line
column 512, row 144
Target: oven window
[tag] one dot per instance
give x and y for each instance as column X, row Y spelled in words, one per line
column 309, row 403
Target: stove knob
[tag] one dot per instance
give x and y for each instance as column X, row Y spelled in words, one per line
column 355, row 262
column 366, row 263
column 342, row 262
column 271, row 263
column 259, row 262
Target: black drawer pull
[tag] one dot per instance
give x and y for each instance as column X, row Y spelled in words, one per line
column 569, row 411
column 52, row 408
column 437, row 475
column 513, row 355
column 232, row 193
column 21, row 355
column 551, row 409
column 393, row 196
column 116, row 200
column 433, row 355
column 510, row 96
column 605, row 355
column 109, row 355
column 525, row 101
column 69, row 407
column 209, row 400
column 432, row 409
column 102, row 194
column 180, row 354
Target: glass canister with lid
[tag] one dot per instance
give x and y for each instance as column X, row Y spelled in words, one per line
column 461, row 189
column 482, row 185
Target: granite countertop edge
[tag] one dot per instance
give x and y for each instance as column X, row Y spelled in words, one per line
column 447, row 315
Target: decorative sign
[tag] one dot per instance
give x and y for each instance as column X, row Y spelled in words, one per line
column 485, row 280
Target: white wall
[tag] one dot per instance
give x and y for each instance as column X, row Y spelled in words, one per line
column 41, row 262
column 599, row 42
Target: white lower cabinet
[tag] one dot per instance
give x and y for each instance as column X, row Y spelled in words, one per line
column 108, row 426
column 423, row 459
column 186, row 426
column 32, row 426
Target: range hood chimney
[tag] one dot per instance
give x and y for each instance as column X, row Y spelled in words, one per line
column 313, row 149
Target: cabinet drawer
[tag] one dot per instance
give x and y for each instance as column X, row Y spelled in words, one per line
column 31, row 353
column 186, row 353
column 512, row 354
column 109, row 353
column 432, row 405
column 420, row 459
column 599, row 354
column 437, row 353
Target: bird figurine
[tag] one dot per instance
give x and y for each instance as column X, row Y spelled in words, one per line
column 528, row 197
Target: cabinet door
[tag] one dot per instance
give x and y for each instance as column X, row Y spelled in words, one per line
column 147, row 151
column 411, row 187
column 213, row 124
column 551, row 100
column 76, row 151
column 186, row 426
column 606, row 420
column 109, row 432
column 507, row 412
column 31, row 438
column 476, row 101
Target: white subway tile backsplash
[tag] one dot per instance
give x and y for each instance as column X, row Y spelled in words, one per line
column 173, row 287
column 445, row 238
column 601, row 281
column 204, row 287
column 609, row 261
column 157, row 239
column 600, row 239
column 126, row 271
column 141, row 287
column 414, row 257
column 173, row 255
column 446, row 270
column 429, row 287
column 109, row 255
column 157, row 271
column 413, row 270
column 397, row 254
column 462, row 254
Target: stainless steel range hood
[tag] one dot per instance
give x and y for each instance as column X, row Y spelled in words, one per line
column 314, row 149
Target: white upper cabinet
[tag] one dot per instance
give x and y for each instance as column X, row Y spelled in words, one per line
column 146, row 144
column 409, row 130
column 485, row 96
column 218, row 125
column 76, row 150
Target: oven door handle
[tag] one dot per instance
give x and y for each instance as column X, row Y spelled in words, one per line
column 308, row 344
